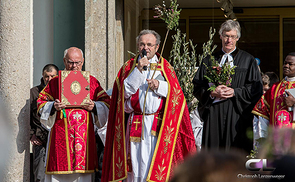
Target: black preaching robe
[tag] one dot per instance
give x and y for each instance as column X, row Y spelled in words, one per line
column 226, row 122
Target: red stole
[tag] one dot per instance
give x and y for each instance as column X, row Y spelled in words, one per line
column 272, row 107
column 171, row 140
column 136, row 120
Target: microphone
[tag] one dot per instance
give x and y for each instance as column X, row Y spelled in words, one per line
column 143, row 52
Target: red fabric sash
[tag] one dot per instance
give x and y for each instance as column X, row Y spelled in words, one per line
column 175, row 139
column 136, row 122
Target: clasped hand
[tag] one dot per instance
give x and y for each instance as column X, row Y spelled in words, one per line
column 60, row 106
column 223, row 92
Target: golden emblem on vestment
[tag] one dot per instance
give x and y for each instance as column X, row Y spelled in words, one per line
column 171, row 70
column 119, row 168
column 118, row 136
column 175, row 98
column 168, row 134
column 160, row 174
column 75, row 87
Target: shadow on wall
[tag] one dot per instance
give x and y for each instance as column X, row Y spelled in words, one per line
column 23, row 139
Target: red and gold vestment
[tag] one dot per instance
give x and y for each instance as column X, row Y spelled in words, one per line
column 72, row 146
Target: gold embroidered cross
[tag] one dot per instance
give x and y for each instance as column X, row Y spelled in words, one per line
column 136, row 122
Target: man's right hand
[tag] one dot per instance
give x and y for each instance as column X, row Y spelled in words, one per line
column 59, row 105
column 142, row 62
column 35, row 141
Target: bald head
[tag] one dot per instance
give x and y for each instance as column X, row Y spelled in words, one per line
column 73, row 59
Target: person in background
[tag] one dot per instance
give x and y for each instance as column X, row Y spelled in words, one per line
column 145, row 140
column 226, row 112
column 265, row 82
column 273, row 77
column 38, row 134
column 71, row 154
column 276, row 107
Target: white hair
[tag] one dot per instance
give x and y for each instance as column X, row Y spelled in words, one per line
column 66, row 52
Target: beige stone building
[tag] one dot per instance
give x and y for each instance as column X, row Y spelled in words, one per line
column 36, row 32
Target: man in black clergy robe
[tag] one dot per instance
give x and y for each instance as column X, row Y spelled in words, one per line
column 226, row 112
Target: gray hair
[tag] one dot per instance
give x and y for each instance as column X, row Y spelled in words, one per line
column 229, row 25
column 145, row 32
column 66, row 52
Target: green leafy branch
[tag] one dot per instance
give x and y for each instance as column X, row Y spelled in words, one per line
column 184, row 62
column 169, row 15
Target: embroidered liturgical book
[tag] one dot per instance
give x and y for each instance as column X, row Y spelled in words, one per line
column 74, row 87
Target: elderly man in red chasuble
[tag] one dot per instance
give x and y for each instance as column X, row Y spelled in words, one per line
column 149, row 130
column 71, row 154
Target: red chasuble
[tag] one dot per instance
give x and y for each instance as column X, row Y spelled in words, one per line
column 72, row 147
column 175, row 139
column 272, row 107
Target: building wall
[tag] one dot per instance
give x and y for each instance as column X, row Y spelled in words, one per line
column 104, row 56
column 15, row 80
column 104, row 39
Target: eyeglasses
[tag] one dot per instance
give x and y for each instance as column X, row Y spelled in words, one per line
column 149, row 45
column 230, row 36
column 72, row 63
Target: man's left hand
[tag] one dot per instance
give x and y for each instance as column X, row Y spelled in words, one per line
column 289, row 99
column 228, row 93
column 89, row 106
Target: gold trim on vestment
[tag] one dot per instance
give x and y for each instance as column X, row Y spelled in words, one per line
column 176, row 135
column 153, row 67
column 121, row 105
column 47, row 94
column 67, row 143
column 100, row 93
column 87, row 144
column 71, row 172
column 135, row 139
column 105, row 103
column 258, row 114
column 163, row 121
column 86, row 75
column 154, row 133
column 274, row 103
column 40, row 106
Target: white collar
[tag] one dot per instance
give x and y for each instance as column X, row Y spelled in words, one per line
column 290, row 79
column 229, row 58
